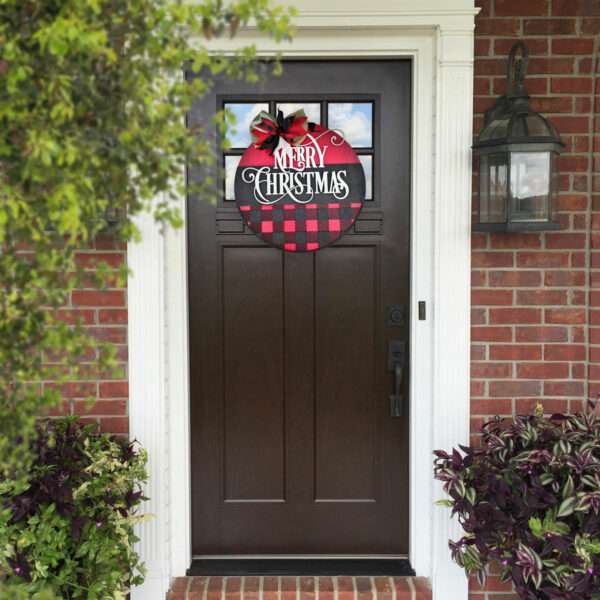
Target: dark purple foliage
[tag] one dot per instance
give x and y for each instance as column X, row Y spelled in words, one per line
column 529, row 498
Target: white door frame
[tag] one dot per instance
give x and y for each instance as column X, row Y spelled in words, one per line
column 438, row 36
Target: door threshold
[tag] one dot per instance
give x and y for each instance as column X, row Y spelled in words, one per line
column 237, row 567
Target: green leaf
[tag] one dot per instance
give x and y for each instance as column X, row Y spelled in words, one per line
column 567, row 507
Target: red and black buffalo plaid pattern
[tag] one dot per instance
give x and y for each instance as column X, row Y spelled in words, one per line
column 300, row 227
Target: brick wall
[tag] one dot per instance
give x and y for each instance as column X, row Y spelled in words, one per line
column 104, row 313
column 536, row 311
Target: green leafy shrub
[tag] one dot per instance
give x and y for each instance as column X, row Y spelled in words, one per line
column 68, row 528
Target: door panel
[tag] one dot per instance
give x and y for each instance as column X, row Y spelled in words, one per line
column 294, row 449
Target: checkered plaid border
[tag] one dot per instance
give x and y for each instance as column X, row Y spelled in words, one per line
column 300, row 227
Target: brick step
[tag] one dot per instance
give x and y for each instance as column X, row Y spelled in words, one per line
column 300, row 588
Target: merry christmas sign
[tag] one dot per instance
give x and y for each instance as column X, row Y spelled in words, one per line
column 298, row 186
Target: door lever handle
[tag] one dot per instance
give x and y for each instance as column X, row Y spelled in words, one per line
column 396, row 399
column 396, row 366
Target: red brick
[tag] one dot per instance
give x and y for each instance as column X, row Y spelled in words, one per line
column 564, row 278
column 491, row 406
column 538, row 66
column 518, row 8
column 482, row 103
column 497, row 27
column 564, row 315
column 590, row 26
column 491, row 297
column 491, row 334
column 491, row 259
column 488, row 370
column 515, row 352
column 515, row 315
column 477, row 388
column 478, row 316
column 515, row 241
column 477, row 352
column 542, row 297
column 572, row 201
column 98, row 298
column 478, row 278
column 573, row 46
column 490, row 66
column 542, row 334
column 575, row 124
column 197, row 587
column 573, row 164
column 515, row 388
column 215, row 585
column 112, row 316
column 114, row 389
column 114, row 424
column 563, row 388
column 482, row 86
column 549, row 26
column 482, row 47
column 575, row 8
column 542, row 259
column 542, row 370
column 556, row 104
column 478, row 240
column 515, row 278
column 556, row 241
column 564, row 352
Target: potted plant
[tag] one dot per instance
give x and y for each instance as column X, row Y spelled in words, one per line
column 529, row 499
column 67, row 528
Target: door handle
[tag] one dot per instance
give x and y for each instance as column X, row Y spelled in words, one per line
column 396, row 352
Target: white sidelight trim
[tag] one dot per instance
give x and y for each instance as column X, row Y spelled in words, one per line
column 147, row 397
column 438, row 36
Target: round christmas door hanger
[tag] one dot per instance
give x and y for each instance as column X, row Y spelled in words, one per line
column 298, row 186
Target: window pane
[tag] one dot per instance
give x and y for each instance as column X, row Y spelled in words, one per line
column 354, row 120
column 231, row 165
column 494, row 188
column 367, row 163
column 311, row 109
column 530, row 185
column 239, row 134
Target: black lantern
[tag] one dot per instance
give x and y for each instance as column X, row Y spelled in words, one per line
column 517, row 151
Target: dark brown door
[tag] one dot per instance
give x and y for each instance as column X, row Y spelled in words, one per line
column 294, row 447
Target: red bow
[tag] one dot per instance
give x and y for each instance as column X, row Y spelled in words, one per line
column 266, row 129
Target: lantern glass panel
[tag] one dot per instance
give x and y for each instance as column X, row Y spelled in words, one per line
column 530, row 186
column 493, row 187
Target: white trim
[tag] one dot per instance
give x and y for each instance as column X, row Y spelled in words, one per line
column 439, row 40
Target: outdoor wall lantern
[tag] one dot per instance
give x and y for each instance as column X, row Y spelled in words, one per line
column 517, row 151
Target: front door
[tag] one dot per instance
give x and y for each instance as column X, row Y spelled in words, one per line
column 298, row 445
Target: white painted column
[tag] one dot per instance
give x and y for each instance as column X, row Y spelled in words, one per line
column 452, row 284
column 147, row 402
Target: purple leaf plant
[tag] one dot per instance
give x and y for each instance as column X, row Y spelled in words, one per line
column 528, row 499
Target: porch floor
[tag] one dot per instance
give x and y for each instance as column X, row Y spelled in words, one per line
column 299, row 588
